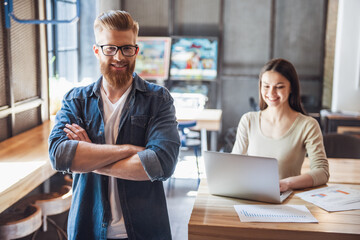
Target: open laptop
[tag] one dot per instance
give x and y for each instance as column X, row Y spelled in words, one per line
column 242, row 176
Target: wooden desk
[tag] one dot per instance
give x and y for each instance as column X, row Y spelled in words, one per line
column 207, row 120
column 342, row 170
column 24, row 164
column 214, row 217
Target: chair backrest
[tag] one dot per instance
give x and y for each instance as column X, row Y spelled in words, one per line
column 341, row 146
column 187, row 124
column 183, row 134
column 254, row 106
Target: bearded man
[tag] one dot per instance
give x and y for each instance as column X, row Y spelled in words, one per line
column 118, row 137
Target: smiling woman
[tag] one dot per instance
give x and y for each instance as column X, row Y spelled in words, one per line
column 281, row 129
column 275, row 88
column 282, row 72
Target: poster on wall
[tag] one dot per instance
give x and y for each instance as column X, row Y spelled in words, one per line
column 193, row 58
column 152, row 62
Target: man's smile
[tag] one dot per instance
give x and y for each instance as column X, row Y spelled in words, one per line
column 119, row 66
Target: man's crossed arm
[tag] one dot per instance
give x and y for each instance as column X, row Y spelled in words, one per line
column 121, row 161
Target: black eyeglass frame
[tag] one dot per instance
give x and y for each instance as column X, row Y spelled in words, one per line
column 117, row 49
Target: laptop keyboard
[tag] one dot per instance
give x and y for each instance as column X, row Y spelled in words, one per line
column 284, row 195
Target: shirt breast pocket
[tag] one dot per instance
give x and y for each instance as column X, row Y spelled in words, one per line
column 86, row 125
column 139, row 125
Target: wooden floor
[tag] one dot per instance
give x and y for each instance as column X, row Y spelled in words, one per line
column 180, row 200
column 181, row 192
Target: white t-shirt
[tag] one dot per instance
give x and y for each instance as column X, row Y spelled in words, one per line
column 112, row 115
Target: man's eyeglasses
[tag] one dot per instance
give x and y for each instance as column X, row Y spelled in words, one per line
column 126, row 50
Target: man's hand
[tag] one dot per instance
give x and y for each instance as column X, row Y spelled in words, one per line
column 123, row 161
column 75, row 132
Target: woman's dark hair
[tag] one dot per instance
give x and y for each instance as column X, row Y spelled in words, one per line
column 286, row 69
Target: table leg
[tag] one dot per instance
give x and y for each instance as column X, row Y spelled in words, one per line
column 203, row 134
column 213, row 140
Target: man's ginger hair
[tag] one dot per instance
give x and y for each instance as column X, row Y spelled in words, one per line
column 115, row 20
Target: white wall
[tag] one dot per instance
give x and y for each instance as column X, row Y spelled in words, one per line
column 346, row 84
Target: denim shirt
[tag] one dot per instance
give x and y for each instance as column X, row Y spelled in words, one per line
column 148, row 120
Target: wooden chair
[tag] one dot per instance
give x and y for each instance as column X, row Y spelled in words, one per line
column 19, row 221
column 341, row 146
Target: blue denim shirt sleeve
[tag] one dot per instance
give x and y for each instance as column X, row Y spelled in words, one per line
column 61, row 149
column 162, row 148
column 64, row 154
column 151, row 164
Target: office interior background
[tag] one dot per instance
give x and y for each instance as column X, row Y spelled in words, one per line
column 320, row 37
column 40, row 62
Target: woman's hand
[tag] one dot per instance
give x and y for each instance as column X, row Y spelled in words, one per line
column 285, row 184
column 296, row 182
column 75, row 132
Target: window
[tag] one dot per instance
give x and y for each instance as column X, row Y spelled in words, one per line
column 71, row 62
column 23, row 100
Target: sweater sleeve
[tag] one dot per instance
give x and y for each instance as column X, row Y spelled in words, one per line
column 242, row 136
column 319, row 166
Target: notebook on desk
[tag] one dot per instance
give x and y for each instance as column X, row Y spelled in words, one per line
column 241, row 176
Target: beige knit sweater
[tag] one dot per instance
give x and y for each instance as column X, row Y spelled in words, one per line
column 304, row 136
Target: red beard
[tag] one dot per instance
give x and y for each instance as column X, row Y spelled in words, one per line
column 117, row 79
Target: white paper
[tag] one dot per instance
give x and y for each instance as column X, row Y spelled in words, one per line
column 334, row 198
column 274, row 213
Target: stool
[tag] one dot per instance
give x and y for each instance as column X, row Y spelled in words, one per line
column 20, row 221
column 52, row 204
